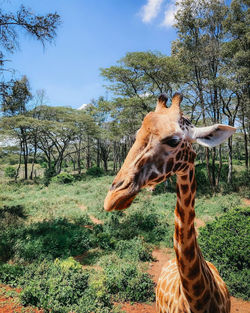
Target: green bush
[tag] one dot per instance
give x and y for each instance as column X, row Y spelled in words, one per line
column 10, row 274
column 125, row 281
column 48, row 174
column 44, row 240
column 11, row 215
column 146, row 223
column 63, row 286
column 63, row 178
column 9, row 172
column 95, row 171
column 226, row 243
column 135, row 249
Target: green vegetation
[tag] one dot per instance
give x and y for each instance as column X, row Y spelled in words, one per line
column 46, row 235
column 9, row 172
column 43, row 240
column 61, row 159
column 126, row 281
column 95, row 171
column 40, row 241
column 63, row 178
column 226, row 243
column 63, row 286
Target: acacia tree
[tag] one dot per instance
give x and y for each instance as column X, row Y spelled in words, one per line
column 14, row 105
column 86, row 130
column 135, row 82
column 53, row 131
column 41, row 27
column 15, row 95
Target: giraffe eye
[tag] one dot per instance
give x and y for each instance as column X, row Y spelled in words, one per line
column 171, row 141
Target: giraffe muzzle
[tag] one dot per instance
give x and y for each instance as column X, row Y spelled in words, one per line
column 118, row 200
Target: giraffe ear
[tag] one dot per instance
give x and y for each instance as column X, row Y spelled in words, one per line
column 212, row 136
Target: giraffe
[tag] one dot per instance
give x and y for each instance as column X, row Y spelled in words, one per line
column 163, row 147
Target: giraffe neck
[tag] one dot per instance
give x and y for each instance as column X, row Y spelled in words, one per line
column 194, row 272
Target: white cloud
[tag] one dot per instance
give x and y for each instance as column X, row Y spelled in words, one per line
column 150, row 10
column 82, row 106
column 169, row 15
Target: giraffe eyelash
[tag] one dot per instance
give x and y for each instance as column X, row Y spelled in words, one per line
column 172, row 141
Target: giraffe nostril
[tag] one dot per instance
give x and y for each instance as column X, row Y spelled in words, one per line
column 116, row 185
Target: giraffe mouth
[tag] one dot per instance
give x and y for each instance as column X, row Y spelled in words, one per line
column 119, row 200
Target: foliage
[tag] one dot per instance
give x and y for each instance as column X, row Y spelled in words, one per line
column 44, row 240
column 9, row 172
column 63, row 286
column 11, row 215
column 120, row 244
column 95, row 171
column 134, row 249
column 15, row 101
column 119, row 226
column 226, row 243
column 63, row 178
column 48, row 174
column 126, row 281
column 10, row 274
column 41, row 27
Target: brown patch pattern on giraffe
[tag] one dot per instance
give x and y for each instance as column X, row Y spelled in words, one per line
column 193, row 276
column 163, row 148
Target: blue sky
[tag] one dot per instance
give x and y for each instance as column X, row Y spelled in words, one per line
column 93, row 34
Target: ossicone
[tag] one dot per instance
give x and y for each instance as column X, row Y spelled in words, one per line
column 176, row 101
column 161, row 103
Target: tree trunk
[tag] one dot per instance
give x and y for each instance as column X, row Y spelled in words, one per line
column 245, row 138
column 20, row 160
column 78, row 155
column 208, row 168
column 88, row 153
column 220, row 167
column 115, row 156
column 98, row 153
column 230, row 161
column 33, row 162
column 213, row 167
column 25, row 159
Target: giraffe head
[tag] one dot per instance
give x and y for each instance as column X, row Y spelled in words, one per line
column 163, row 147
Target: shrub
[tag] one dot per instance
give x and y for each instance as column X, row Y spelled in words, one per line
column 125, row 281
column 9, row 172
column 95, row 171
column 11, row 215
column 46, row 239
column 63, row 286
column 120, row 226
column 47, row 176
column 63, row 178
column 10, row 274
column 135, row 249
column 226, row 243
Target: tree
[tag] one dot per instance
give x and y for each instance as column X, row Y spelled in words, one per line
column 41, row 27
column 236, row 55
column 136, row 81
column 18, row 128
column 86, row 130
column 142, row 76
column 201, row 38
column 16, row 97
column 14, row 104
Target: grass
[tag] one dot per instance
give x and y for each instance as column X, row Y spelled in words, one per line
column 65, row 201
column 49, row 222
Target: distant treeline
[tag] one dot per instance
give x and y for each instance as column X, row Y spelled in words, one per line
column 209, row 64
